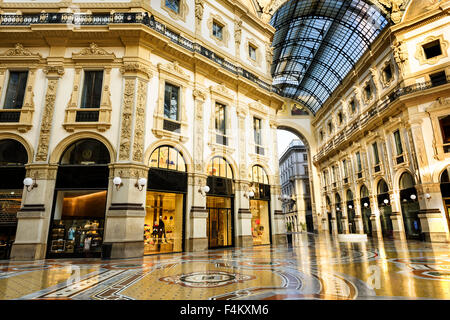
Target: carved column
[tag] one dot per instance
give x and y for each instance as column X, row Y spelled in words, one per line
column 375, row 217
column 196, row 226
column 34, row 215
column 358, row 216
column 243, row 234
column 344, row 220
column 277, row 217
column 124, row 226
column 396, row 216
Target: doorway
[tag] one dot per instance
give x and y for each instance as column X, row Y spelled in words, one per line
column 220, row 222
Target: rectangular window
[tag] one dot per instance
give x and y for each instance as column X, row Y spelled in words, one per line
column 305, row 157
column 438, row 78
column 173, row 5
column 252, row 52
column 398, row 142
column 15, row 91
column 368, row 92
column 358, row 161
column 344, row 165
column 432, row 49
column 171, row 101
column 92, row 89
column 217, row 30
column 257, row 131
column 353, row 105
column 220, row 118
column 387, row 73
column 445, row 130
column 375, row 153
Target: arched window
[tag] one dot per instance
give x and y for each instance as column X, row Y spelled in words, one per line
column 219, row 167
column 259, row 175
column 338, row 198
column 167, row 157
column 12, row 153
column 364, row 192
column 382, row 187
column 349, row 195
column 85, row 152
column 406, row 181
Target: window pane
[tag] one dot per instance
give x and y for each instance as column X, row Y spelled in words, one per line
column 163, row 157
column 181, row 164
column 358, row 160
column 216, row 163
column 375, row 153
column 154, row 159
column 92, row 89
column 398, row 142
column 172, row 161
column 171, row 101
column 16, row 89
column 220, row 118
column 173, row 5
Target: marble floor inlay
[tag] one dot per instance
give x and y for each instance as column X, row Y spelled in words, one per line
column 314, row 267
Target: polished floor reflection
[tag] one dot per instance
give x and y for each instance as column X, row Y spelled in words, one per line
column 315, row 267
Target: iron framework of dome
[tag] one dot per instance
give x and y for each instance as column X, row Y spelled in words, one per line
column 317, row 43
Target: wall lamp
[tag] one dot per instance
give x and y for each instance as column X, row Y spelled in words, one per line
column 249, row 194
column 428, row 196
column 117, row 182
column 386, row 201
column 140, row 183
column 366, row 204
column 413, row 197
column 204, row 190
column 29, row 183
column 350, row 206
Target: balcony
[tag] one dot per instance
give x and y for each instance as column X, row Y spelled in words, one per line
column 374, row 112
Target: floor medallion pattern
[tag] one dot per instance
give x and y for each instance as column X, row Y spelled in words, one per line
column 314, row 267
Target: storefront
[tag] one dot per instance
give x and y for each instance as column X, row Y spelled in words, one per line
column 78, row 215
column 351, row 212
column 445, row 191
column 384, row 205
column 13, row 158
column 365, row 210
column 260, row 206
column 337, row 208
column 330, row 218
column 220, row 203
column 410, row 207
column 165, row 201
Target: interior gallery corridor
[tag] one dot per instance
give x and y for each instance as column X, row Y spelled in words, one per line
column 312, row 268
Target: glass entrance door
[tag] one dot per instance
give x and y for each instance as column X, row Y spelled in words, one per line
column 219, row 222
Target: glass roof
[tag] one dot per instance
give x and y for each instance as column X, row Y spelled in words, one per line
column 317, row 43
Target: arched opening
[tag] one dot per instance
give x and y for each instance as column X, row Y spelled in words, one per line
column 338, row 209
column 365, row 210
column 410, row 206
column 220, row 203
column 296, row 185
column 384, row 205
column 78, row 215
column 445, row 192
column 260, row 206
column 165, row 201
column 350, row 212
column 13, row 157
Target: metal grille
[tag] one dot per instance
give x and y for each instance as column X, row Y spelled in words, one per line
column 171, row 126
column 10, row 116
column 87, row 116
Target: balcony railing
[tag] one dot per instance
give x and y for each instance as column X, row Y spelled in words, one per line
column 80, row 19
column 376, row 110
column 87, row 116
column 10, row 116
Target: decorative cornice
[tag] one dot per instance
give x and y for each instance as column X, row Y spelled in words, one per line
column 19, row 53
column 93, row 52
column 136, row 67
column 53, row 71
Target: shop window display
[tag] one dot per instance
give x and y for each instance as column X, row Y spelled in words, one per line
column 260, row 221
column 219, row 227
column 163, row 222
column 78, row 223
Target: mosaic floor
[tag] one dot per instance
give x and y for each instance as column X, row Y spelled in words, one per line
column 315, row 267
